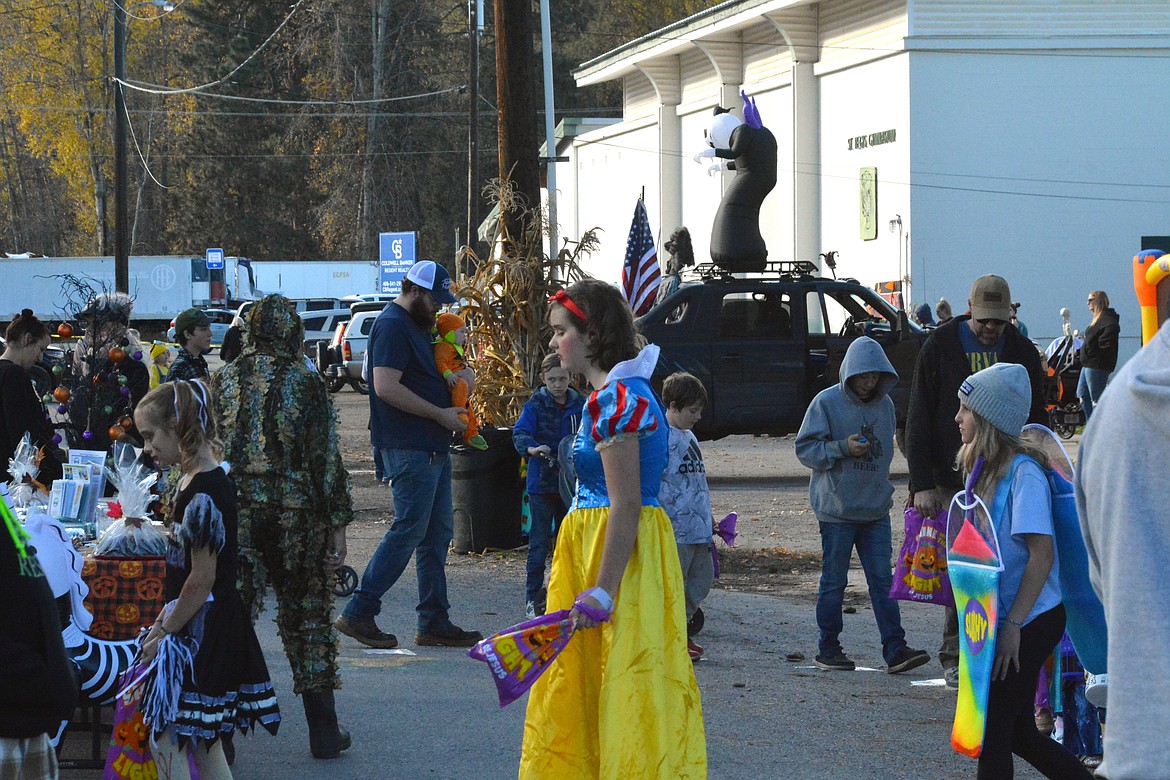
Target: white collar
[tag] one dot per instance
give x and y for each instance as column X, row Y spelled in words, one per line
column 641, row 366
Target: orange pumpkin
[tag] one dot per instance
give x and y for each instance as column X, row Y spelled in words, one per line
column 61, row 393
column 149, row 589
column 130, row 569
column 89, row 567
column 127, row 613
column 117, row 354
column 102, row 630
column 115, row 432
column 65, row 330
column 103, row 587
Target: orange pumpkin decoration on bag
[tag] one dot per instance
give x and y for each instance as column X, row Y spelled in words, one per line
column 127, row 613
column 102, row 630
column 149, row 589
column 103, row 587
column 130, row 569
column 88, row 567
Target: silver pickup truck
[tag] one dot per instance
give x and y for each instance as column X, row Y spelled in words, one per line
column 340, row 359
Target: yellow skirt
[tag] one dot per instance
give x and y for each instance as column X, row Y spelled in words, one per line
column 621, row 700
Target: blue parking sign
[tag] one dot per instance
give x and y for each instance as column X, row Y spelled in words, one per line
column 215, row 259
column 396, row 254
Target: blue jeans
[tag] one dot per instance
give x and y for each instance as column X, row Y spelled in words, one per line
column 545, row 507
column 1090, row 387
column 874, row 548
column 423, row 525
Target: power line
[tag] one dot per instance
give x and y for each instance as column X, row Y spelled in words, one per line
column 223, row 80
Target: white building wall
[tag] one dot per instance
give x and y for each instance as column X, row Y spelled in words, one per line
column 1044, row 168
column 858, row 102
column 612, row 168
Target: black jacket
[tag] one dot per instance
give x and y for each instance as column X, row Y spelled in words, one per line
column 36, row 678
column 932, row 436
column 21, row 412
column 1100, row 347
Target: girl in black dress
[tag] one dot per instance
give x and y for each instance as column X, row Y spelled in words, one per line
column 225, row 686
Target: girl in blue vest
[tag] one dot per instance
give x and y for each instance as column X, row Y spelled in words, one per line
column 993, row 408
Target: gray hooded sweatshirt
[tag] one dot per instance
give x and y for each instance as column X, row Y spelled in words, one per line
column 845, row 489
column 1125, row 517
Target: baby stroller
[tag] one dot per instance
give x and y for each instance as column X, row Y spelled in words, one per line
column 1065, row 414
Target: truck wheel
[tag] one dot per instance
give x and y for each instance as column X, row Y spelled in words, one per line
column 361, row 386
column 334, row 384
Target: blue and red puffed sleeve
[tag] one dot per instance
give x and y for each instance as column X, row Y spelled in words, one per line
column 616, row 412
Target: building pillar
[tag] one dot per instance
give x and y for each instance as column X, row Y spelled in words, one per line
column 670, row 162
column 806, row 168
column 664, row 75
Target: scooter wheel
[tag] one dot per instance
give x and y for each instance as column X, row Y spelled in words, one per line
column 346, row 581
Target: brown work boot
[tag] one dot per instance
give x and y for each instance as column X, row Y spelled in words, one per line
column 366, row 632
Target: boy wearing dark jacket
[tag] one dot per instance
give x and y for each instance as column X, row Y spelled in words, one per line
column 552, row 413
column 847, row 439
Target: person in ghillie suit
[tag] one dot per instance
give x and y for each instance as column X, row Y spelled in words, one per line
column 279, row 430
column 460, row 377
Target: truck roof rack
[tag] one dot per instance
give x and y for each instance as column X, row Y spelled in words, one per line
column 777, row 269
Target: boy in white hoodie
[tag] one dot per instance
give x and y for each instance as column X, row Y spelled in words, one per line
column 847, row 439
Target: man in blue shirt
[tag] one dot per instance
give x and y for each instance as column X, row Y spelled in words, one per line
column 411, row 421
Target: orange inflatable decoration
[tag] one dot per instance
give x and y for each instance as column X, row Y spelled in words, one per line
column 1151, row 268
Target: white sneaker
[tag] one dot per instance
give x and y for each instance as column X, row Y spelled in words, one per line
column 530, row 610
column 1096, row 688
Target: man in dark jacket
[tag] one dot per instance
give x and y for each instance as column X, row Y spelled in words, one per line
column 954, row 351
column 37, row 680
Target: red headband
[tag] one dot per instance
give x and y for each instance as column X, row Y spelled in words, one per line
column 563, row 299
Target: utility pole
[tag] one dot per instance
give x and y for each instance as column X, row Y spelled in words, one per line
column 550, row 141
column 474, row 28
column 380, row 10
column 516, row 102
column 121, row 183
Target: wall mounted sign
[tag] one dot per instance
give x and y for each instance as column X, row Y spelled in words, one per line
column 868, row 203
column 873, row 139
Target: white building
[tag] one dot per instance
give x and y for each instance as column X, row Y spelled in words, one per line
column 1027, row 138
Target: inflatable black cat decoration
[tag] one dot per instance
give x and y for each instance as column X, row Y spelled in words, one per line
column 736, row 243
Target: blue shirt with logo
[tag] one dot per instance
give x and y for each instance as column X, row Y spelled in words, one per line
column 979, row 355
column 397, row 342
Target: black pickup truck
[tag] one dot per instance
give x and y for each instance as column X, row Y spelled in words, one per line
column 764, row 346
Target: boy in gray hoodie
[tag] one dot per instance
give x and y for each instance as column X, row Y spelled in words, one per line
column 847, row 439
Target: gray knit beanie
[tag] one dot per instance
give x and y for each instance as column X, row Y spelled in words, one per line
column 1001, row 394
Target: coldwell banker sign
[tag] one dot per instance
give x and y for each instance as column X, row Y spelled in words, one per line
column 396, row 254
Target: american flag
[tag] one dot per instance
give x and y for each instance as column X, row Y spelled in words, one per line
column 640, row 274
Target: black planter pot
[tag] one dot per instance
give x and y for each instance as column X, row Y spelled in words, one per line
column 486, row 491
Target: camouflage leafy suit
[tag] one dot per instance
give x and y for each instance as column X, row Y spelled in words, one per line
column 279, row 430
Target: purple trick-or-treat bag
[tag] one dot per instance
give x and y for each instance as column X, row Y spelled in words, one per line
column 520, row 654
column 921, row 571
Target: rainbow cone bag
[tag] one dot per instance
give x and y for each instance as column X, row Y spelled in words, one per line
column 974, row 565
